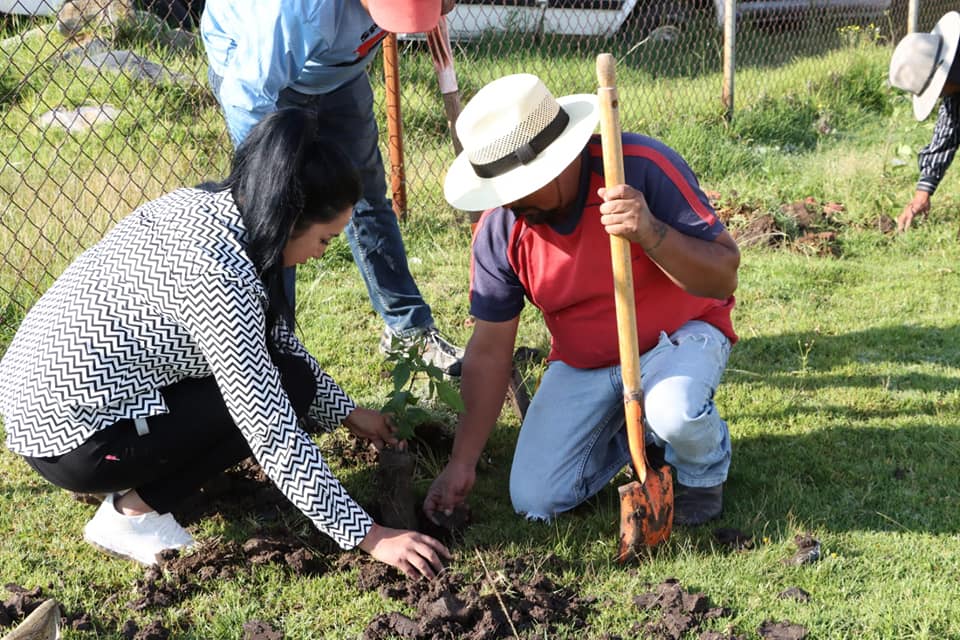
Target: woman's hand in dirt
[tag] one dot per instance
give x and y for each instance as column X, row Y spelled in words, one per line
column 413, row 553
column 919, row 206
column 449, row 489
column 373, row 426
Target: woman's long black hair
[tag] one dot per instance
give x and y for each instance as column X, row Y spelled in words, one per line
column 284, row 178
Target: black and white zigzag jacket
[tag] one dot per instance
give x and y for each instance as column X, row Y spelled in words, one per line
column 935, row 158
column 169, row 294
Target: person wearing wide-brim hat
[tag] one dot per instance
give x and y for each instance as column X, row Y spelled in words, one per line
column 925, row 64
column 532, row 163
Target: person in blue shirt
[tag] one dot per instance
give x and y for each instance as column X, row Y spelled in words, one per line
column 926, row 65
column 314, row 54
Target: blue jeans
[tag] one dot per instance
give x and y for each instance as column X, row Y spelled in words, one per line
column 573, row 439
column 346, row 116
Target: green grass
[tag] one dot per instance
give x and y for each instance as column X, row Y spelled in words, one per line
column 847, row 371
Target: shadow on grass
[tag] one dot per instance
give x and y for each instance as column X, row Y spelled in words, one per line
column 819, row 462
column 797, row 359
column 848, row 479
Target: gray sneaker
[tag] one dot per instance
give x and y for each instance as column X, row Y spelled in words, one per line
column 694, row 506
column 437, row 350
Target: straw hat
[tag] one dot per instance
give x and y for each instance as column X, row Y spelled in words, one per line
column 405, row 16
column 516, row 138
column 921, row 63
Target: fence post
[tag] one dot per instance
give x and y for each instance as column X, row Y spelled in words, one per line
column 913, row 10
column 729, row 54
column 391, row 76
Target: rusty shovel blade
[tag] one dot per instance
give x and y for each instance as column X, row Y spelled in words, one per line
column 646, row 512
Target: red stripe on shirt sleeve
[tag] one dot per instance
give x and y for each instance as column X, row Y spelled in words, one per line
column 671, row 171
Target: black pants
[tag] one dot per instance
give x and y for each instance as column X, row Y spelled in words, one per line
column 185, row 448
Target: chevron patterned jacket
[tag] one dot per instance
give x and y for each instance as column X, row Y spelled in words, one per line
column 168, row 294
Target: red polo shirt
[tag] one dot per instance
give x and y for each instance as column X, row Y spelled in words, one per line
column 566, row 270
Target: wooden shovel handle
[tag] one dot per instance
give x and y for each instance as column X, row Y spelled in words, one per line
column 441, row 52
column 622, row 264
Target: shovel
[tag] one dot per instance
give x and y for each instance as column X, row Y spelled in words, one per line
column 438, row 41
column 646, row 504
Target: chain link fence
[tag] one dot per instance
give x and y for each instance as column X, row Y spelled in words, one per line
column 104, row 104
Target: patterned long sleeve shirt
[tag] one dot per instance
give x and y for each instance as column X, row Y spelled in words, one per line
column 935, row 158
column 169, row 294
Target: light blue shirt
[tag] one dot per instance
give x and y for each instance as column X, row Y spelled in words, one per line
column 259, row 48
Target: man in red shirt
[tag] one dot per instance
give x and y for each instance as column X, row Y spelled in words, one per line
column 532, row 163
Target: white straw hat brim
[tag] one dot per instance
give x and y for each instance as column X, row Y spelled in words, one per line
column 468, row 192
column 949, row 29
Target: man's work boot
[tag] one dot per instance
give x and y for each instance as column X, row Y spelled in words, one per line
column 694, row 506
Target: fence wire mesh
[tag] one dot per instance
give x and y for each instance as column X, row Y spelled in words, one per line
column 104, row 104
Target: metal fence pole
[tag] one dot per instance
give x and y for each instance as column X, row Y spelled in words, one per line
column 913, row 12
column 729, row 54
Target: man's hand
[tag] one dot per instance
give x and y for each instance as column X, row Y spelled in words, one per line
column 373, row 426
column 449, row 489
column 705, row 268
column 625, row 213
column 413, row 553
column 919, row 206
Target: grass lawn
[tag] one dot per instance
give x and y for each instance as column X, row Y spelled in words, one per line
column 842, row 395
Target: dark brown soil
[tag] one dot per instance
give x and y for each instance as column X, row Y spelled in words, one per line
column 153, row 631
column 679, row 612
column 784, row 630
column 510, row 600
column 807, row 226
column 259, row 630
column 794, row 593
column 733, row 538
column 395, row 488
column 808, row 551
column 20, row 604
column 179, row 577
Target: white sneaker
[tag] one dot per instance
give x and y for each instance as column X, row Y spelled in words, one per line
column 437, row 350
column 138, row 538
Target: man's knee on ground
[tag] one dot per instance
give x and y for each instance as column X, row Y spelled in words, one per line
column 534, row 502
column 674, row 410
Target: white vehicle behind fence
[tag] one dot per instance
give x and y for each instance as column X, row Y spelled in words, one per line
column 31, row 7
column 472, row 18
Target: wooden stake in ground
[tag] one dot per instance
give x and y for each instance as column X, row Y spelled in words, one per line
column 391, row 76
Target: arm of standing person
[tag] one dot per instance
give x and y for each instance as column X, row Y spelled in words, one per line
column 225, row 318
column 487, row 367
column 700, row 267
column 934, row 160
column 268, row 58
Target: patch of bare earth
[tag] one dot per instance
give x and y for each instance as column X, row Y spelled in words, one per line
column 514, row 599
column 807, row 226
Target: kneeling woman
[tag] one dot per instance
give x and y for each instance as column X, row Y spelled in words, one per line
column 163, row 356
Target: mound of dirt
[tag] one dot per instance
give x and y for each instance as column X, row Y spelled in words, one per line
column 807, row 226
column 680, row 612
column 177, row 577
column 785, row 630
column 808, row 550
column 514, row 599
